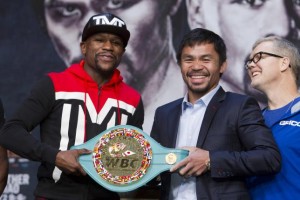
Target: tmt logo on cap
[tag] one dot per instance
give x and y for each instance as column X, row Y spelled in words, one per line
column 103, row 20
column 106, row 23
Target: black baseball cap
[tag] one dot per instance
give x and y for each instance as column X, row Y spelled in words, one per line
column 106, row 23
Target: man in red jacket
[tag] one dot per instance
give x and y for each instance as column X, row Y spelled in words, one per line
column 72, row 107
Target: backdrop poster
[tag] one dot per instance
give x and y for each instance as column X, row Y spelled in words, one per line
column 41, row 36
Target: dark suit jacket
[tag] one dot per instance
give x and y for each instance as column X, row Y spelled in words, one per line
column 234, row 133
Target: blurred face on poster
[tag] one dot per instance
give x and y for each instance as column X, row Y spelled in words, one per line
column 240, row 23
column 146, row 20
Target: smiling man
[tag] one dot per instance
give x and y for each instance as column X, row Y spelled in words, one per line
column 72, row 107
column 274, row 67
column 224, row 131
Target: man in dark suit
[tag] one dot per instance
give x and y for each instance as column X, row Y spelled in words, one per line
column 224, row 132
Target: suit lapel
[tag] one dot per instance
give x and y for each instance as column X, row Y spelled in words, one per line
column 210, row 112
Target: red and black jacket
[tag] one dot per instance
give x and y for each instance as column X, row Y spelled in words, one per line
column 70, row 109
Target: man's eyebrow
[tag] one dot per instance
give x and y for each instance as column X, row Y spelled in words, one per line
column 201, row 56
column 54, row 3
column 206, row 55
column 61, row 3
column 187, row 55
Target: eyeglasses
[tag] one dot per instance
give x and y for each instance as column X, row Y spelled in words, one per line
column 258, row 56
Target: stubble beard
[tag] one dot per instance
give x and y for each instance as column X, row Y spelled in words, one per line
column 100, row 70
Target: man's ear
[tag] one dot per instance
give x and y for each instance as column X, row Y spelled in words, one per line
column 204, row 14
column 83, row 48
column 223, row 67
column 286, row 63
column 194, row 17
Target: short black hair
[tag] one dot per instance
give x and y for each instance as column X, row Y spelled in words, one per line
column 203, row 36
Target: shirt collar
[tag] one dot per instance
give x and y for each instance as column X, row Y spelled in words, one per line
column 203, row 100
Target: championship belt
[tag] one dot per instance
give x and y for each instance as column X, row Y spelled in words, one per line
column 125, row 158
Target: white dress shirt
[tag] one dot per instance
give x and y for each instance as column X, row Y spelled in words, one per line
column 189, row 128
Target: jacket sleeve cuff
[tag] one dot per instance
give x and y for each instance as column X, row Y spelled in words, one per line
column 50, row 155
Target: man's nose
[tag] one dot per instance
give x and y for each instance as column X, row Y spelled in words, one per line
column 107, row 45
